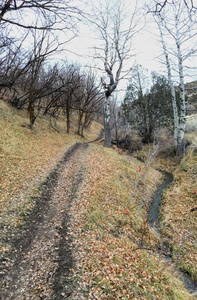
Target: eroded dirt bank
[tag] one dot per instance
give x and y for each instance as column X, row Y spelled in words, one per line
column 41, row 265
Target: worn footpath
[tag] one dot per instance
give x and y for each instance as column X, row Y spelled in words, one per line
column 41, row 265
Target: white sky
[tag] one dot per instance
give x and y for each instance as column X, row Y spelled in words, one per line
column 146, row 44
column 82, row 52
column 146, row 49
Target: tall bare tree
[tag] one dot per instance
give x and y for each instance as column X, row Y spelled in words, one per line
column 75, row 90
column 32, row 84
column 178, row 33
column 70, row 78
column 172, row 87
column 18, row 18
column 89, row 100
column 115, row 31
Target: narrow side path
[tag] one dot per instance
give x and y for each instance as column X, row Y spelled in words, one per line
column 42, row 263
column 153, row 221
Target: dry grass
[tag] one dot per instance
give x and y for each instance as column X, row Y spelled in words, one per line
column 191, row 123
column 26, row 158
column 110, row 231
column 179, row 226
column 178, row 221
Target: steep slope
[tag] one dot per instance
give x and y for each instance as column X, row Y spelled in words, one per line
column 76, row 229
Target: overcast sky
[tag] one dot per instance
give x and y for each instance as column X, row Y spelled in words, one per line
column 81, row 49
column 146, row 47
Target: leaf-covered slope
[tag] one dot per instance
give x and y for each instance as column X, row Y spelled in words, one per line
column 115, row 248
column 26, row 158
column 113, row 262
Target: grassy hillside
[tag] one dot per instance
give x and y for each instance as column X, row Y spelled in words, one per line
column 26, row 157
column 179, row 205
column 116, row 250
column 179, row 214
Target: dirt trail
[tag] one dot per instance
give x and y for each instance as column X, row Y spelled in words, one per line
column 43, row 260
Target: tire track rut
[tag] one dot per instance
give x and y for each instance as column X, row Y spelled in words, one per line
column 43, row 261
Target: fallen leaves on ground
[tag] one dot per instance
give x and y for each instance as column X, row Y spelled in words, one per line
column 108, row 233
column 109, row 222
column 26, row 158
column 179, row 222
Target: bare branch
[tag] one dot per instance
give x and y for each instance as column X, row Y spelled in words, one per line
column 160, row 5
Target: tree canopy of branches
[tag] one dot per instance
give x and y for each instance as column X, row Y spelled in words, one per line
column 160, row 5
column 18, row 19
column 30, row 33
column 88, row 99
column 115, row 37
column 58, row 91
column 38, row 14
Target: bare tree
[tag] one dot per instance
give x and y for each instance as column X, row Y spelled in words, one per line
column 181, row 28
column 115, row 117
column 172, row 87
column 61, row 98
column 14, row 61
column 36, row 14
column 75, row 90
column 116, row 38
column 18, row 18
column 34, row 88
column 89, row 100
column 70, row 79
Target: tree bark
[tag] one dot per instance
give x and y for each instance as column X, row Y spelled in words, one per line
column 107, row 127
column 32, row 116
column 79, row 122
column 174, row 104
column 181, row 132
column 67, row 118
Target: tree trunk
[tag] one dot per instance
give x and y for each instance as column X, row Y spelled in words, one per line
column 173, row 94
column 116, row 127
column 79, row 122
column 67, row 118
column 181, row 132
column 107, row 127
column 82, row 128
column 87, row 120
column 32, row 116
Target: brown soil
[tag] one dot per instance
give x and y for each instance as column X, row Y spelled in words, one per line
column 41, row 265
